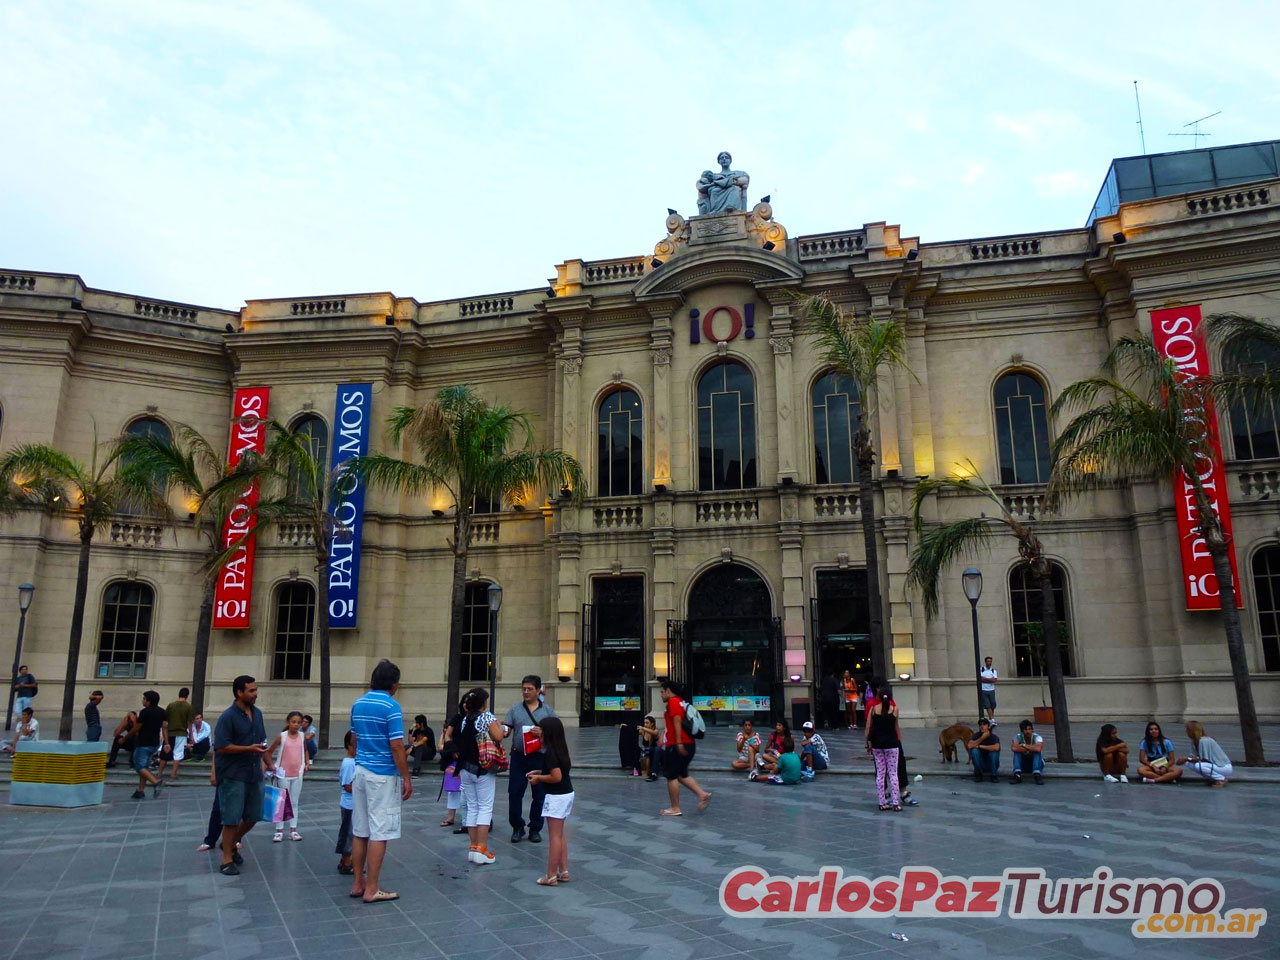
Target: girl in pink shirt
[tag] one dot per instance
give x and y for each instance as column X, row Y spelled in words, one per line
column 291, row 764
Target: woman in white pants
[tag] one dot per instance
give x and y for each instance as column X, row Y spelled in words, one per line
column 292, row 764
column 478, row 784
column 1209, row 759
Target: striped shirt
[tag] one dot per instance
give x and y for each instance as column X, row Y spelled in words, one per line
column 377, row 720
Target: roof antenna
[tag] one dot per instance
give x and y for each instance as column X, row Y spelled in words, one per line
column 1196, row 132
column 1141, row 136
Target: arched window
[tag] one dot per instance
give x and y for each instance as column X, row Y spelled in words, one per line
column 1026, row 608
column 125, row 636
column 836, row 408
column 295, row 622
column 1255, row 427
column 316, row 433
column 475, row 633
column 726, row 428
column 620, row 445
column 143, row 427
column 1266, row 587
column 1022, row 429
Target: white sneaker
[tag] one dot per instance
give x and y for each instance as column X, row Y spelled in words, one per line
column 1123, row 778
column 1109, row 779
column 994, row 723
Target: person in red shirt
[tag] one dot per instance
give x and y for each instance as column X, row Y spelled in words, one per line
column 679, row 751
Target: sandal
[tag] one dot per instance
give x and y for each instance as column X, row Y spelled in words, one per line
column 446, row 823
column 884, row 807
column 548, row 881
column 896, row 808
column 562, row 877
column 383, row 896
column 295, row 835
column 278, row 838
column 670, row 813
column 203, row 847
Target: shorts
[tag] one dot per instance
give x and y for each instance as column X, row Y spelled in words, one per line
column 239, row 801
column 478, row 792
column 375, row 805
column 557, row 806
column 177, row 749
column 987, row 699
column 344, row 834
column 141, row 758
column 675, row 765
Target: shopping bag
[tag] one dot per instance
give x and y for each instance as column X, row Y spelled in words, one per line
column 288, row 805
column 273, row 803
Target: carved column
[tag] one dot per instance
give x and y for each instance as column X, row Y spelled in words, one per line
column 661, row 307
column 781, row 339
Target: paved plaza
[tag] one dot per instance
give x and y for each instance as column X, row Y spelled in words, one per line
column 125, row 880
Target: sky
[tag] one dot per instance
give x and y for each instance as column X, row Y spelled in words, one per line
column 216, row 152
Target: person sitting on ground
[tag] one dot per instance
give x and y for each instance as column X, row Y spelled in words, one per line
column 650, row 756
column 311, row 736
column 199, row 738
column 786, row 767
column 747, row 745
column 1028, row 753
column 767, row 761
column 123, row 738
column 813, row 751
column 1208, row 759
column 28, row 730
column 1113, row 755
column 422, row 744
column 984, row 752
column 1156, row 757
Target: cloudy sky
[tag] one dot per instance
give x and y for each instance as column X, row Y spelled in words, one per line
column 213, row 152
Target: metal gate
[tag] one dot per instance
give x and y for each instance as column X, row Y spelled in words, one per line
column 587, row 704
column 819, row 669
column 677, row 652
column 778, row 696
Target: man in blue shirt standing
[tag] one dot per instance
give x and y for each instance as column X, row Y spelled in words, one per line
column 240, row 742
column 381, row 781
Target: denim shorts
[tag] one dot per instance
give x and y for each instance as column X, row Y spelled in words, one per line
column 142, row 757
column 239, row 801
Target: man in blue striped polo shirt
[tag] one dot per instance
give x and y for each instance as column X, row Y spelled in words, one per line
column 381, row 781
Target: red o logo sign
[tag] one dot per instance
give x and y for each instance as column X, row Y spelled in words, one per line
column 708, row 327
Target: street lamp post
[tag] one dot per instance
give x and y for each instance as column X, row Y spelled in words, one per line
column 495, row 604
column 25, row 594
column 972, row 582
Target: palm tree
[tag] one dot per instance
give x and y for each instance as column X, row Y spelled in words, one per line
column 1142, row 417
column 88, row 493
column 193, row 466
column 862, row 348
column 467, row 447
column 938, row 547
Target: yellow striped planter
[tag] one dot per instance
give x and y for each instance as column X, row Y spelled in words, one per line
column 53, row 773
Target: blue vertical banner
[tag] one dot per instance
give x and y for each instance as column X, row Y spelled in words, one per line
column 350, row 439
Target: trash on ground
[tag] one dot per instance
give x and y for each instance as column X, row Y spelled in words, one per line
column 1085, row 836
column 918, row 778
column 901, row 937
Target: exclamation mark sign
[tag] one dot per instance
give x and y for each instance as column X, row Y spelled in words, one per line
column 749, row 311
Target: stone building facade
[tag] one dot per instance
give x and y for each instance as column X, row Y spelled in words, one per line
column 719, row 535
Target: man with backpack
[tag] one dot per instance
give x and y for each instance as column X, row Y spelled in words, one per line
column 684, row 728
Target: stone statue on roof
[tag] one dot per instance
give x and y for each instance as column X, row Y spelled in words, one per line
column 723, row 191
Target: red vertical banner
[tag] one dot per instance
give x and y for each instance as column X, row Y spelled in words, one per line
column 1177, row 337
column 235, row 579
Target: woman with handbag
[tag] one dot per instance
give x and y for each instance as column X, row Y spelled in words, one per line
column 291, row 765
column 481, row 756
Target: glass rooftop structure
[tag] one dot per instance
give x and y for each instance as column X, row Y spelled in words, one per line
column 1184, row 171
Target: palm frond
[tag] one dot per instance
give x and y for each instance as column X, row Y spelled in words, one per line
column 969, row 481
column 410, row 479
column 1238, row 334
column 941, row 546
column 861, row 348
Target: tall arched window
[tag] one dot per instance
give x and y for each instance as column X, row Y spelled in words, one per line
column 726, row 428
column 620, row 445
column 125, row 637
column 1022, row 429
column 1255, row 427
column 143, row 427
column 316, row 433
column 475, row 632
column 295, row 622
column 1266, row 587
column 836, row 407
column 1027, row 609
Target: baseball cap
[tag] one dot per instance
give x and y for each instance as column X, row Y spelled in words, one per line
column 807, row 725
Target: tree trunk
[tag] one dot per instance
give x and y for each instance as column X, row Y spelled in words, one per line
column 458, row 597
column 867, row 507
column 1219, row 550
column 204, row 627
column 1053, row 663
column 322, row 633
column 77, row 628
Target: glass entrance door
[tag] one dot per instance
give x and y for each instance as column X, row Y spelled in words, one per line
column 616, row 641
column 841, row 621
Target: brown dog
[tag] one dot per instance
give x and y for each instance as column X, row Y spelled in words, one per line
column 948, row 738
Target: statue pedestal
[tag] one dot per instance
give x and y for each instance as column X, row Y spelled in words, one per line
column 56, row 773
column 718, row 227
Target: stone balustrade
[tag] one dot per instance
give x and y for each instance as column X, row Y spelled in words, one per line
column 131, row 533
column 294, row 535
column 14, row 281
column 1260, row 483
column 1027, row 504
column 486, row 307
column 155, row 310
column 830, row 505
column 1232, row 200
column 629, row 517
column 828, row 245
column 484, row 531
column 1004, row 249
column 728, row 511
column 316, row 308
column 613, row 271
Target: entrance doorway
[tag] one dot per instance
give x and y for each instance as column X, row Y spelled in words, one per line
column 613, row 651
column 730, row 647
column 841, row 620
